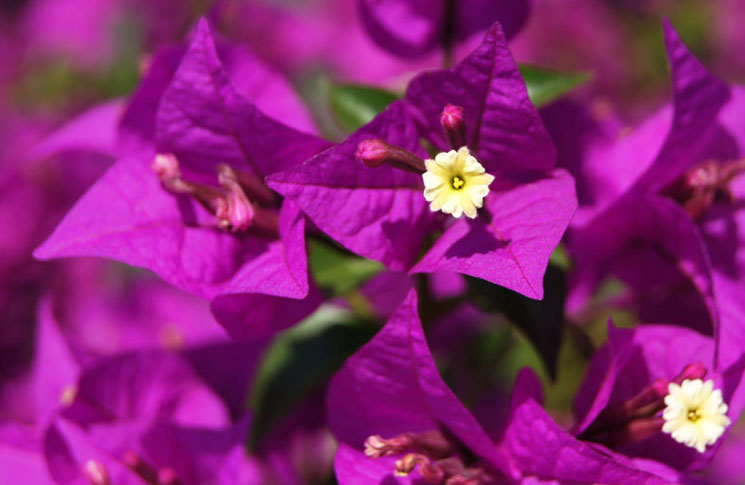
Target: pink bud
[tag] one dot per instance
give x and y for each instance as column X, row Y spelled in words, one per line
column 373, row 152
column 237, row 212
column 168, row 476
column 376, row 152
column 453, row 121
column 96, row 473
column 165, row 166
column 691, row 372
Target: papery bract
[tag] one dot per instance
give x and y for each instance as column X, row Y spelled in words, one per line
column 669, row 177
column 390, row 391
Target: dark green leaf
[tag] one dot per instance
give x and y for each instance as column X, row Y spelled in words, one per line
column 301, row 360
column 546, row 85
column 541, row 321
column 338, row 272
column 354, row 104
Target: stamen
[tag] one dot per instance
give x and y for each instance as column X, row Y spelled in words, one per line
column 375, row 152
column 453, row 121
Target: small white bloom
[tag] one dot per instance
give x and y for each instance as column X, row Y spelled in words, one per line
column 456, row 183
column 695, row 414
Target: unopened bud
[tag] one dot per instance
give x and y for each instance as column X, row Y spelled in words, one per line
column 430, row 472
column 165, row 166
column 96, row 473
column 408, row 463
column 375, row 152
column 134, row 462
column 453, row 121
column 690, row 372
column 376, row 446
column 68, row 395
column 168, row 476
column 237, row 212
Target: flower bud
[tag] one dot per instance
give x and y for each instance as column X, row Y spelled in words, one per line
column 237, row 213
column 96, row 473
column 168, row 476
column 165, row 166
column 375, row 152
column 453, row 121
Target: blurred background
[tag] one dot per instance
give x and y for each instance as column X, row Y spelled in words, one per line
column 61, row 57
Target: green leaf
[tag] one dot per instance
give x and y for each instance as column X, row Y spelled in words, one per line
column 301, row 360
column 338, row 272
column 355, row 105
column 546, row 85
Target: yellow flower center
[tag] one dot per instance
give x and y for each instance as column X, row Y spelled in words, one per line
column 456, row 183
column 695, row 414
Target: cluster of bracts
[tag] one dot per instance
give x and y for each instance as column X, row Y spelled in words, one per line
column 307, row 282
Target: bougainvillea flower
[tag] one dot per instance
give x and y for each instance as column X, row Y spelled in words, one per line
column 414, row 27
column 368, row 191
column 191, row 205
column 635, row 383
column 676, row 208
column 398, row 422
column 543, row 451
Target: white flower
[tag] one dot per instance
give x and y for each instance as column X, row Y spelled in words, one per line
column 695, row 414
column 456, row 183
